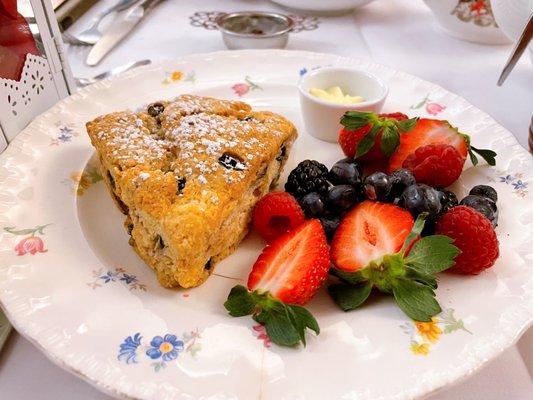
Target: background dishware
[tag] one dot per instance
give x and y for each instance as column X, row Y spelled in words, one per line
column 322, row 7
column 254, row 30
column 5, row 329
column 92, row 34
column 117, row 70
column 470, row 20
column 520, row 47
column 512, row 16
column 321, row 117
column 125, row 23
column 81, row 315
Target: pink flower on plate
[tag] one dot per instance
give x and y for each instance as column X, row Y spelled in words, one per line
column 261, row 334
column 434, row 108
column 241, row 89
column 31, row 244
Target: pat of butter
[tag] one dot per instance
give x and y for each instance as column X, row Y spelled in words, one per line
column 335, row 95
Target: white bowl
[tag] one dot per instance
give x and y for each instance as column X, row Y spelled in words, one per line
column 323, row 7
column 322, row 117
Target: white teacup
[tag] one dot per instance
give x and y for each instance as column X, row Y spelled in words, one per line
column 468, row 20
column 322, row 117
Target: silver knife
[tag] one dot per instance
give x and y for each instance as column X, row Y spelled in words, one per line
column 119, row 31
column 519, row 49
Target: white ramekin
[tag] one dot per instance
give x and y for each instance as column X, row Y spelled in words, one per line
column 321, row 117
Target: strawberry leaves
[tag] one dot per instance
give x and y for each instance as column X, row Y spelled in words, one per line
column 408, row 275
column 390, row 129
column 285, row 324
column 488, row 155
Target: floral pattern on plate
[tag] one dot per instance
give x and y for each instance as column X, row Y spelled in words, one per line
column 514, row 179
column 432, row 108
column 160, row 350
column 178, row 76
column 32, row 243
column 426, row 334
column 80, row 181
column 241, row 89
column 65, row 133
column 103, row 277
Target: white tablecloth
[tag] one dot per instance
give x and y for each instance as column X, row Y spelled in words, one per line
column 399, row 33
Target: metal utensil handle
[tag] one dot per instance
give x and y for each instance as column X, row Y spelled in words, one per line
column 121, row 5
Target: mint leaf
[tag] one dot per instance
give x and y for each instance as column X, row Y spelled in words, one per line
column 240, row 302
column 349, row 297
column 415, row 232
column 432, row 254
column 416, row 300
column 281, row 330
column 348, row 277
column 390, row 139
column 407, row 125
column 488, row 155
column 420, row 277
column 368, row 141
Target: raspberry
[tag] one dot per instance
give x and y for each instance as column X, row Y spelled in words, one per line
column 435, row 165
column 275, row 214
column 474, row 235
column 398, row 116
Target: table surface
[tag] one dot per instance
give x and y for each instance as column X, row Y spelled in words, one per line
column 398, row 33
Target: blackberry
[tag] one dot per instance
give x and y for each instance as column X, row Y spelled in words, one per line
column 309, row 176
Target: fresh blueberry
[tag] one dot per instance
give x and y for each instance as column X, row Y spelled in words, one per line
column 399, row 180
column 345, row 172
column 377, row 186
column 330, row 223
column 312, row 204
column 420, row 198
column 485, row 191
column 483, row 205
column 448, row 200
column 341, row 197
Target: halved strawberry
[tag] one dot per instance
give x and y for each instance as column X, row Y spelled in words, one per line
column 369, row 231
column 379, row 246
column 370, row 136
column 293, row 267
column 435, row 132
column 289, row 271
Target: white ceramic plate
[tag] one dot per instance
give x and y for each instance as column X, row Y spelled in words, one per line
column 70, row 282
column 321, row 6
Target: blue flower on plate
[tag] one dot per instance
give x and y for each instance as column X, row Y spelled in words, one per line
column 167, row 347
column 109, row 276
column 303, row 71
column 128, row 279
column 519, row 184
column 506, row 179
column 128, row 349
column 65, row 134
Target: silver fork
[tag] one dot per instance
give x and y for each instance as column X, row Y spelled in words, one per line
column 93, row 34
column 117, row 70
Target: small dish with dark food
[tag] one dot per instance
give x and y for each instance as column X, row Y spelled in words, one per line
column 254, row 30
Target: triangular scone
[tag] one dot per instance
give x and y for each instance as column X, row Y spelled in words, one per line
column 187, row 174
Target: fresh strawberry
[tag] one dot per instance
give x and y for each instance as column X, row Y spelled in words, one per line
column 275, row 214
column 435, row 132
column 369, row 231
column 370, row 136
column 437, row 165
column 378, row 246
column 474, row 235
column 289, row 271
column 293, row 267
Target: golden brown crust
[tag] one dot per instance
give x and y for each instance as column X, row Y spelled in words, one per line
column 188, row 178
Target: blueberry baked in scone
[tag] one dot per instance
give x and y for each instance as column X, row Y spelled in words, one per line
column 187, row 173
